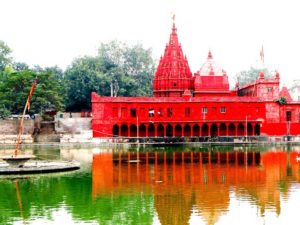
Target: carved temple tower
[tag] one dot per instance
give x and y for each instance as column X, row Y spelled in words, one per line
column 210, row 80
column 173, row 75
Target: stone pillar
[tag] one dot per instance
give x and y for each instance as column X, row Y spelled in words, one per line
column 209, row 126
column 200, row 130
column 173, row 127
column 155, row 130
column 236, row 129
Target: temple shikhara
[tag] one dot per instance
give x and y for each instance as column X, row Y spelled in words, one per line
column 197, row 105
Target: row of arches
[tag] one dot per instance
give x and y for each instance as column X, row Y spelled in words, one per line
column 186, row 130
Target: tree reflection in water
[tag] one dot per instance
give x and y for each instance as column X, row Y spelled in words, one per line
column 182, row 182
column 162, row 186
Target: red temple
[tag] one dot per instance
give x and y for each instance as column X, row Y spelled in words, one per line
column 196, row 106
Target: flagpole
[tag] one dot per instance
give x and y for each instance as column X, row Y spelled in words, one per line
column 262, row 56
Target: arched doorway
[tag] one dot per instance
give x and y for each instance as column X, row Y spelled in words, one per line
column 241, row 130
column 187, row 130
column 160, row 130
column 196, row 130
column 214, row 130
column 124, row 130
column 115, row 130
column 169, row 131
column 204, row 130
column 257, row 129
column 178, row 130
column 133, row 131
column 249, row 129
column 223, row 129
column 231, row 130
column 142, row 130
column 151, row 130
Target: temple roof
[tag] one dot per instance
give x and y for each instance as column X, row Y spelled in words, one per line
column 211, row 78
column 173, row 63
column 209, row 68
column 285, row 93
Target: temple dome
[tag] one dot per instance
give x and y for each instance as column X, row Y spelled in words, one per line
column 211, row 79
column 209, row 68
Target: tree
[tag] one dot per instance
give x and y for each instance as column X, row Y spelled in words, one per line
column 130, row 67
column 5, row 58
column 248, row 76
column 118, row 70
column 84, row 76
column 19, row 66
column 281, row 100
column 15, row 88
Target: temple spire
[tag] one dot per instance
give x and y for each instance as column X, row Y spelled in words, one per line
column 209, row 55
column 173, row 75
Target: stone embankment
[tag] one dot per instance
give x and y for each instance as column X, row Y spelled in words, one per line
column 9, row 131
column 63, row 129
column 74, row 130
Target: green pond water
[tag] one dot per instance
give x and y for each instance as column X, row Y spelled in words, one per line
column 158, row 185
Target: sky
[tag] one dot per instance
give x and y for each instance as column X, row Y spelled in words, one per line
column 54, row 32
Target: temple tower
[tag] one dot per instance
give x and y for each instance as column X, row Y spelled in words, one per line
column 210, row 80
column 173, row 75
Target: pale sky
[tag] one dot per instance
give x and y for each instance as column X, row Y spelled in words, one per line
column 53, row 32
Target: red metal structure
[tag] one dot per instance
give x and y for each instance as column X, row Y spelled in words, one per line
column 199, row 105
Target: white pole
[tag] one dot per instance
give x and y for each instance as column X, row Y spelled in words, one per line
column 246, row 128
column 137, row 127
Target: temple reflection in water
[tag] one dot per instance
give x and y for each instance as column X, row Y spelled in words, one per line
column 201, row 183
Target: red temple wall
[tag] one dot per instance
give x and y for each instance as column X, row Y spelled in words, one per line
column 270, row 116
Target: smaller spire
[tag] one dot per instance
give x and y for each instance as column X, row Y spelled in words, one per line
column 211, row 72
column 262, row 75
column 277, row 75
column 209, row 55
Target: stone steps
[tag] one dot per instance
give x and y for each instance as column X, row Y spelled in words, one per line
column 12, row 139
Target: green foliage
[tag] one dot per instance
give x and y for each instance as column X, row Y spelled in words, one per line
column 19, row 66
column 5, row 59
column 15, row 88
column 131, row 67
column 118, row 69
column 281, row 100
column 248, row 76
column 84, row 76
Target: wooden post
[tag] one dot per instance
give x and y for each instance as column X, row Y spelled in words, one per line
column 22, row 121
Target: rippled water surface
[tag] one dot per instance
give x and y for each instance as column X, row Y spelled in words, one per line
column 165, row 185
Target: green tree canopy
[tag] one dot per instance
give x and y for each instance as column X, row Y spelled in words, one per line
column 248, row 76
column 5, row 58
column 84, row 76
column 131, row 68
column 118, row 70
column 15, row 88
